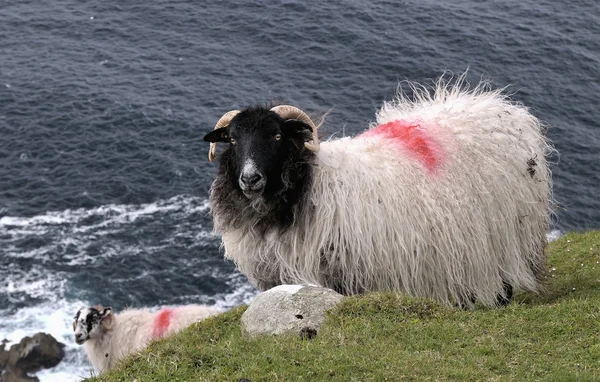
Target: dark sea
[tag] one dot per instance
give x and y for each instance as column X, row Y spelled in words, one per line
column 104, row 176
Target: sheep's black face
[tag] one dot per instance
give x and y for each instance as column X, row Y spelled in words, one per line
column 89, row 323
column 264, row 152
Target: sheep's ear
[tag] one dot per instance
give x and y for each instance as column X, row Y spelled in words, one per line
column 107, row 318
column 293, row 125
column 218, row 135
column 297, row 130
column 74, row 325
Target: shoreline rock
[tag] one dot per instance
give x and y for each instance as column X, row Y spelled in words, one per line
column 30, row 355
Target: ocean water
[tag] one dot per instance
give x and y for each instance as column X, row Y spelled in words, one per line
column 104, row 176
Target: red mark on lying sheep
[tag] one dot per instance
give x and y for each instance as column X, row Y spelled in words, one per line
column 161, row 323
column 417, row 141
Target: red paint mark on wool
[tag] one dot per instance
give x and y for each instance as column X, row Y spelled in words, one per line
column 161, row 323
column 416, row 140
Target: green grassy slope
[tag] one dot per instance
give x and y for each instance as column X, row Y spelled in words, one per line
column 379, row 337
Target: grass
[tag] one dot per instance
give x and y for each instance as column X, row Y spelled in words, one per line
column 554, row 336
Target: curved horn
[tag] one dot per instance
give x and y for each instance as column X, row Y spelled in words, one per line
column 291, row 112
column 222, row 122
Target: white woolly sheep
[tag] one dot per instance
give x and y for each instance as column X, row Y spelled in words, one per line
column 446, row 196
column 108, row 337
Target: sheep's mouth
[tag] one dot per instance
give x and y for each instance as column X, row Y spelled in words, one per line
column 79, row 342
column 253, row 194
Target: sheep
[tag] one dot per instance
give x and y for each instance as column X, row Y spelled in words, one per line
column 108, row 337
column 447, row 196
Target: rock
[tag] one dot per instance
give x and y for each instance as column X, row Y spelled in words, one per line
column 298, row 309
column 30, row 355
column 3, row 356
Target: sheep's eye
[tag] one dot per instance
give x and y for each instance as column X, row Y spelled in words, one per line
column 233, row 141
column 277, row 137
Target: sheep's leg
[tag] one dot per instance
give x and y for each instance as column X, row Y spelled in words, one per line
column 462, row 304
column 504, row 300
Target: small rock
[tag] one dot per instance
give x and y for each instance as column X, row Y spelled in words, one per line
column 289, row 309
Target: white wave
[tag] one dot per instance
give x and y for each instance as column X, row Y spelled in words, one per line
column 37, row 283
column 39, row 253
column 118, row 213
column 115, row 213
column 67, row 235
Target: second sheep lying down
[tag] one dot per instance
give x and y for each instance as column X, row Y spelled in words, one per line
column 107, row 337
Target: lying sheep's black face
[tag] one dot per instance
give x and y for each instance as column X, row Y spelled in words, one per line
column 89, row 323
column 264, row 152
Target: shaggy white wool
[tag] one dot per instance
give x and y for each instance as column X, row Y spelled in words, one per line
column 379, row 220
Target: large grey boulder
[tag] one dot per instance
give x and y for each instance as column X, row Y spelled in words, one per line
column 289, row 309
column 30, row 355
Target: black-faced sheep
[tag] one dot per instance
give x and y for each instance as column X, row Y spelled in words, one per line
column 447, row 196
column 107, row 337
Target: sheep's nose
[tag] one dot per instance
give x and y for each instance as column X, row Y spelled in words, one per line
column 251, row 180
